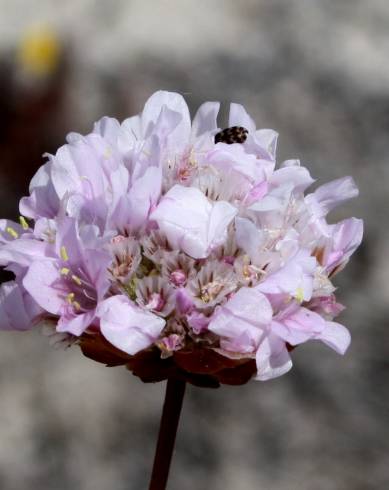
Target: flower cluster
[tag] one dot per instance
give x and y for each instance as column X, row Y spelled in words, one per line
column 173, row 236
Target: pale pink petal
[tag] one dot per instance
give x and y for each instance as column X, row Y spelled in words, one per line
column 249, row 238
column 23, row 251
column 126, row 326
column 245, row 317
column 222, row 213
column 240, row 117
column 336, row 336
column 233, row 157
column 17, row 310
column 272, row 358
column 172, row 101
column 267, row 139
column 328, row 196
column 299, row 326
column 294, row 278
column 346, row 238
column 190, row 222
column 41, row 281
column 76, row 324
column 298, row 176
column 205, row 119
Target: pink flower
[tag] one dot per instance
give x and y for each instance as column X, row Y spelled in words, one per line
column 71, row 284
column 177, row 236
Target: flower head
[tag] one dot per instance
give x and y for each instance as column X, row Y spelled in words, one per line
column 178, row 248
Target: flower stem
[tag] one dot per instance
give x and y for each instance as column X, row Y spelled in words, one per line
column 174, row 397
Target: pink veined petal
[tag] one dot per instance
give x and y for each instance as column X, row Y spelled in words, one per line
column 130, row 135
column 40, row 282
column 77, row 324
column 346, row 238
column 126, row 326
column 336, row 336
column 23, row 251
column 221, row 215
column 328, row 196
column 108, row 128
column 298, row 176
column 190, row 222
column 299, row 326
column 249, row 238
column 272, row 358
column 243, row 319
column 239, row 117
column 234, row 157
column 43, row 200
column 144, row 194
column 67, row 241
column 294, row 278
column 267, row 139
column 256, row 193
column 172, row 101
column 15, row 313
column 205, row 119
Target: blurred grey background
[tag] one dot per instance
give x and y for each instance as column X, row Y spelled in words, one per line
column 318, row 72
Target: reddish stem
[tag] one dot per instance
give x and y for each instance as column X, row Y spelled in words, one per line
column 174, row 397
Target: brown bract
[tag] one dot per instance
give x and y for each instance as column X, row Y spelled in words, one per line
column 199, row 366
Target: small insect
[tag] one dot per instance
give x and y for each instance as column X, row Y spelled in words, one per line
column 234, row 134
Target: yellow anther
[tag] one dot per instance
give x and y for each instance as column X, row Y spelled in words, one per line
column 77, row 280
column 65, row 271
column 23, row 222
column 12, row 232
column 64, row 254
column 70, row 298
column 76, row 305
column 299, row 294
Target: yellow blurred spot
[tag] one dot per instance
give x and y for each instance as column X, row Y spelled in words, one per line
column 107, row 153
column 299, row 294
column 12, row 232
column 65, row 271
column 64, row 254
column 39, row 51
column 23, row 222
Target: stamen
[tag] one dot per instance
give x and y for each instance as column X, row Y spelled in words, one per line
column 77, row 280
column 12, row 232
column 76, row 305
column 210, row 291
column 70, row 298
column 299, row 294
column 64, row 271
column 23, row 222
column 64, row 254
